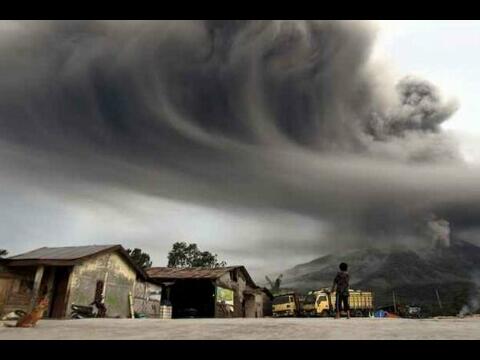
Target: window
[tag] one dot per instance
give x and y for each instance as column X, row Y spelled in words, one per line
column 281, row 300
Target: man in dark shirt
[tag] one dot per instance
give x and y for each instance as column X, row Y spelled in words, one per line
column 341, row 285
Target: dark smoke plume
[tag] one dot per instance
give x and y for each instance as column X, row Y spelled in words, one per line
column 289, row 115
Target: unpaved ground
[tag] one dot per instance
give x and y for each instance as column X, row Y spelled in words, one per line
column 267, row 328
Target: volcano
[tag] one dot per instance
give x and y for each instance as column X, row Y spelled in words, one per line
column 415, row 276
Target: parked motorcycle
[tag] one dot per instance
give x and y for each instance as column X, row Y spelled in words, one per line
column 83, row 312
column 95, row 310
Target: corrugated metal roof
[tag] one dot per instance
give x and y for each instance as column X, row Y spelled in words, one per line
column 68, row 255
column 62, row 253
column 188, row 273
column 166, row 273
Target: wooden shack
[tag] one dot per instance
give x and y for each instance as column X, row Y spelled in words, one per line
column 72, row 275
column 211, row 292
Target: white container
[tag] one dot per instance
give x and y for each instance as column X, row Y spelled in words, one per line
column 165, row 312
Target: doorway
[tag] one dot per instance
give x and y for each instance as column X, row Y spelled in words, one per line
column 193, row 298
column 249, row 309
column 59, row 295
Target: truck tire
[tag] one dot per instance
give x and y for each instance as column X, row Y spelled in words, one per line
column 358, row 313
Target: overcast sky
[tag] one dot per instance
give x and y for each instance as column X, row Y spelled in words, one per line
column 39, row 208
column 447, row 52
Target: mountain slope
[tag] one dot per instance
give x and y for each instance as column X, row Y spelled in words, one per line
column 413, row 275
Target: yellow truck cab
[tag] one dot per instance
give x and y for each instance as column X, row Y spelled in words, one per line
column 316, row 304
column 323, row 303
column 286, row 305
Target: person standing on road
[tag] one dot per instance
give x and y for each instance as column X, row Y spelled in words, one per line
column 341, row 285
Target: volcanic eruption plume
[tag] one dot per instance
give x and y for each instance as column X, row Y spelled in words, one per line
column 293, row 116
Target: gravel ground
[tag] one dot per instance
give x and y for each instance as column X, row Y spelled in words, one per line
column 266, row 328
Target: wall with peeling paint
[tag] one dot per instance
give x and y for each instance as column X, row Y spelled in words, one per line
column 235, row 281
column 118, row 276
column 147, row 299
column 248, row 301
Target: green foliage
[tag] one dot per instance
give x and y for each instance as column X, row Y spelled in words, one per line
column 189, row 255
column 141, row 258
column 3, row 252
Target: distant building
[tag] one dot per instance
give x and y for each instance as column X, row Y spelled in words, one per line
column 212, row 292
column 73, row 275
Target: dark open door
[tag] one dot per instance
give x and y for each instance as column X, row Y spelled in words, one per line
column 59, row 298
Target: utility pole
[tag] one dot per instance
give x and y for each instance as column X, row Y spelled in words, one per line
column 438, row 299
column 394, row 302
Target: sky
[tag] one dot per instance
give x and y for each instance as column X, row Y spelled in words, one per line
column 447, row 52
column 116, row 132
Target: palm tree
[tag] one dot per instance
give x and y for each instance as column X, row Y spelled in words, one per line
column 275, row 285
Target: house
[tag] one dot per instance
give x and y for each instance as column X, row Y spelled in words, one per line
column 74, row 275
column 267, row 298
column 211, row 292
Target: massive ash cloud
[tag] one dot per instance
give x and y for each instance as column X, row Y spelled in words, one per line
column 286, row 115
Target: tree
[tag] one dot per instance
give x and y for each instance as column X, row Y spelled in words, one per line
column 189, row 255
column 275, row 285
column 140, row 258
column 3, row 253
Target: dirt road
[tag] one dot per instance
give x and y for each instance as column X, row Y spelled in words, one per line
column 267, row 328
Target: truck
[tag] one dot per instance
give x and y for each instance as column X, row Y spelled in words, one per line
column 287, row 304
column 323, row 303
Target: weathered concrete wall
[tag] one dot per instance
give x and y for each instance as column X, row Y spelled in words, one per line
column 254, row 305
column 250, row 307
column 258, row 305
column 147, row 299
column 117, row 275
column 267, row 305
column 238, row 287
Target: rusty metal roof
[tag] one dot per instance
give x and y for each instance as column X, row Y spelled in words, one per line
column 63, row 253
column 188, row 273
column 160, row 273
column 68, row 255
